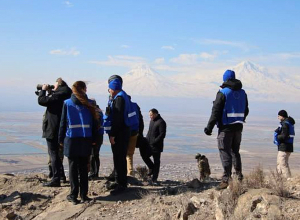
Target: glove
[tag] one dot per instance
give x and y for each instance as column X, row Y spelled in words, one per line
column 277, row 130
column 207, row 131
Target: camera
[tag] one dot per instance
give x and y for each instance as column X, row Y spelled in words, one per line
column 39, row 87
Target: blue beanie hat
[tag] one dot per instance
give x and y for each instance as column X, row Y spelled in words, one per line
column 115, row 84
column 229, row 74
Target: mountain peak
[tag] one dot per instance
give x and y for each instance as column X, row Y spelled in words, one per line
column 142, row 70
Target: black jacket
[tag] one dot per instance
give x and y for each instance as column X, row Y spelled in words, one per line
column 156, row 134
column 118, row 125
column 218, row 105
column 54, row 104
column 284, row 135
column 74, row 147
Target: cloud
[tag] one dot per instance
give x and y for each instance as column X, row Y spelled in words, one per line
column 287, row 56
column 68, row 3
column 167, row 48
column 189, row 59
column 241, row 45
column 125, row 46
column 61, row 52
column 160, row 60
column 120, row 60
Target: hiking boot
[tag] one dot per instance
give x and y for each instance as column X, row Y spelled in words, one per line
column 92, row 176
column 111, row 177
column 155, row 183
column 52, row 184
column 111, row 185
column 63, row 179
column 50, row 175
column 70, row 198
column 118, row 190
column 85, row 199
column 222, row 185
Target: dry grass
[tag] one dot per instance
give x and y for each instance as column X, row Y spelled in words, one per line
column 278, row 183
column 256, row 179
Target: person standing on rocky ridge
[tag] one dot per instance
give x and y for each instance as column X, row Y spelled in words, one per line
column 117, row 126
column 229, row 112
column 155, row 136
column 285, row 141
column 79, row 127
column 54, row 103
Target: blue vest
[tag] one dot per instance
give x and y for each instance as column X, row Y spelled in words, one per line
column 80, row 120
column 135, row 126
column 290, row 139
column 101, row 129
column 235, row 106
column 107, row 117
column 130, row 114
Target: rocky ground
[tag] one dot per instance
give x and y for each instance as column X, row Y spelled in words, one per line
column 22, row 196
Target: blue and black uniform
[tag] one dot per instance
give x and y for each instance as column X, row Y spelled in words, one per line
column 286, row 133
column 78, row 131
column 116, row 113
column 229, row 112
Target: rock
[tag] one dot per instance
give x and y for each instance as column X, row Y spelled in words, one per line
column 258, row 202
column 198, row 201
column 11, row 216
column 189, row 210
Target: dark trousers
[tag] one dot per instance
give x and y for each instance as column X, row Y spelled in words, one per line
column 119, row 150
column 155, row 165
column 53, row 150
column 145, row 151
column 78, row 165
column 94, row 159
column 61, row 156
column 229, row 147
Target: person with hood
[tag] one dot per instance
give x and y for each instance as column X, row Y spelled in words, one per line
column 54, row 103
column 285, row 141
column 78, row 131
column 229, row 112
column 155, row 136
column 117, row 126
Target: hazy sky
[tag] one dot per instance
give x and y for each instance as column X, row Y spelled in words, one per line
column 41, row 40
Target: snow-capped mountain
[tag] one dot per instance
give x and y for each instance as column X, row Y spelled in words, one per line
column 143, row 80
column 264, row 86
column 260, row 85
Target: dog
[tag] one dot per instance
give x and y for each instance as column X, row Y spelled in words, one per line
column 203, row 166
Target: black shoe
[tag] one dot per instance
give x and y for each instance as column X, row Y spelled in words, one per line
column 85, row 199
column 155, row 183
column 111, row 178
column 92, row 176
column 72, row 199
column 111, row 185
column 63, row 179
column 52, row 184
column 118, row 190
